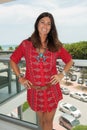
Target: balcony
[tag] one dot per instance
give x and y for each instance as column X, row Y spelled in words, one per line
column 12, row 98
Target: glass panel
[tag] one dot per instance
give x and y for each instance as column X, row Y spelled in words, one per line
column 24, row 114
column 9, row 85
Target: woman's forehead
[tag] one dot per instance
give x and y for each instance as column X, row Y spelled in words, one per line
column 46, row 18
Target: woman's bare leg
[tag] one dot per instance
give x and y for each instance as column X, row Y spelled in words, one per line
column 46, row 119
column 40, row 118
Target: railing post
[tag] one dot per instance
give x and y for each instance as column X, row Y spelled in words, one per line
column 20, row 112
column 18, row 85
column 9, row 77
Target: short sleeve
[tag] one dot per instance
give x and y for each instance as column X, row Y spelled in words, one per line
column 18, row 53
column 64, row 55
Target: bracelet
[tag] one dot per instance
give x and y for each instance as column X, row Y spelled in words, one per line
column 20, row 75
column 63, row 72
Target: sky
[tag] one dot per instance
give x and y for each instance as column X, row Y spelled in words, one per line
column 17, row 19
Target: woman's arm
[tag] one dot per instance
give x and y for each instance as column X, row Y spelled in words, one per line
column 58, row 77
column 15, row 68
column 21, row 78
column 68, row 65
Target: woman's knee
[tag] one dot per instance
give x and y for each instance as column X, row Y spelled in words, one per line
column 48, row 117
column 47, row 120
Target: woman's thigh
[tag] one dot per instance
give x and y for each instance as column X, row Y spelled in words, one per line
column 49, row 115
column 40, row 115
column 46, row 115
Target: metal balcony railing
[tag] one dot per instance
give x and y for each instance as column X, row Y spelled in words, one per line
column 11, row 102
column 7, row 123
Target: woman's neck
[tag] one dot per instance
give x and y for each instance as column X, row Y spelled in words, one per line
column 44, row 43
column 43, row 39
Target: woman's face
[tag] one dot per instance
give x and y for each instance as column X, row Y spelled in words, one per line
column 44, row 26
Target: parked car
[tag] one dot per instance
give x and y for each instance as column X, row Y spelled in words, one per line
column 68, row 121
column 77, row 69
column 66, row 77
column 79, row 95
column 73, row 77
column 65, row 91
column 69, row 109
column 80, row 80
column 86, row 82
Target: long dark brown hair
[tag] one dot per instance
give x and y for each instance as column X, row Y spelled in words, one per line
column 53, row 42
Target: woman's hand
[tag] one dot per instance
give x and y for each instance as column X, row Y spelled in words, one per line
column 26, row 83
column 56, row 78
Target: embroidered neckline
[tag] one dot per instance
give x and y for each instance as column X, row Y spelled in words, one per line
column 41, row 55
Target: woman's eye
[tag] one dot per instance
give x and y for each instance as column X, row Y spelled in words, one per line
column 46, row 23
column 49, row 24
column 42, row 21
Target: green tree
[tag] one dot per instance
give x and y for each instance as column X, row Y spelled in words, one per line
column 10, row 48
column 80, row 127
column 78, row 50
column 1, row 48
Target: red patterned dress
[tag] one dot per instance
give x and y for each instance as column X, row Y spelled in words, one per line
column 39, row 72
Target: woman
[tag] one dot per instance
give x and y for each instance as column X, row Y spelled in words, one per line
column 41, row 78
